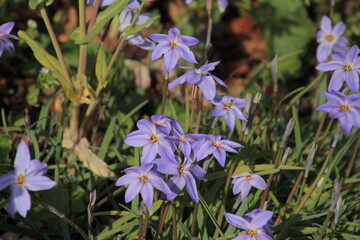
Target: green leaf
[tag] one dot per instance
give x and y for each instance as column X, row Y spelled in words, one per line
column 263, row 167
column 137, row 28
column 33, row 4
column 107, row 139
column 46, row 60
column 5, row 146
column 100, row 66
column 104, row 17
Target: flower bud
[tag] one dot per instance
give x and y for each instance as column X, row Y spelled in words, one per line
column 310, row 159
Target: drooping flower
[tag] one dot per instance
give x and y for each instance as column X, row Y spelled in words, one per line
column 184, row 175
column 173, row 46
column 126, row 17
column 244, row 181
column 229, row 107
column 329, row 39
column 222, row 4
column 345, row 108
column 153, row 141
column 201, row 77
column 5, row 35
column 216, row 145
column 142, row 180
column 27, row 176
column 346, row 68
column 256, row 225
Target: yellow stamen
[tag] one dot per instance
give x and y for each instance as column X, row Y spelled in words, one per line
column 181, row 170
column 143, row 179
column 252, row 233
column 344, row 108
column 182, row 139
column 21, row 180
column 153, row 138
column 329, row 38
column 172, row 44
column 216, row 144
column 347, row 68
column 248, row 178
column 227, row 106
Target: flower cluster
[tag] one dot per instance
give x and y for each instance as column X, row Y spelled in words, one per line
column 346, row 67
column 27, row 176
column 168, row 150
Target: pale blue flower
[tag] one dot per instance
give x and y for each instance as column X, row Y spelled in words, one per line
column 5, row 35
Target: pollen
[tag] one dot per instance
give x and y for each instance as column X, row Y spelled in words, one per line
column 248, row 178
column 329, row 38
column 344, row 108
column 216, row 144
column 252, row 233
column 181, row 170
column 172, row 44
column 227, row 106
column 153, row 138
column 182, row 139
column 21, row 180
column 143, row 179
column 347, row 68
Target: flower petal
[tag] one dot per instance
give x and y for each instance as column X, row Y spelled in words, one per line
column 339, row 29
column 166, row 167
column 337, row 80
column 19, row 201
column 22, row 158
column 6, row 27
column 258, row 182
column 330, row 66
column 132, row 190
column 137, row 139
column 170, row 59
column 237, row 221
column 191, row 187
column 159, row 37
column 323, row 51
column 208, row 88
column 188, row 40
column 325, row 24
column 147, row 194
column 179, row 80
column 219, row 111
column 230, row 120
column 261, row 219
column 209, row 67
column 160, row 49
column 220, row 156
column 38, row 183
column 197, row 171
column 245, row 190
column 36, row 168
column 185, row 53
column 127, row 179
column 352, row 80
column 7, row 179
column 149, row 152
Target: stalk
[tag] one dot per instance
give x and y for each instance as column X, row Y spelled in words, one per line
column 164, row 93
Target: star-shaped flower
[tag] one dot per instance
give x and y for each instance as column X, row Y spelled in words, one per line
column 346, row 68
column 244, row 181
column 142, row 180
column 256, row 225
column 173, row 46
column 229, row 107
column 28, row 176
column 345, row 108
column 201, row 77
column 329, row 39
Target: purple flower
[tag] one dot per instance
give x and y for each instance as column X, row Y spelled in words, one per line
column 173, row 46
column 163, row 123
column 345, row 108
column 229, row 107
column 346, row 68
column 202, row 78
column 184, row 174
column 142, row 180
column 153, row 141
column 244, row 181
column 103, row 3
column 126, row 17
column 256, row 227
column 184, row 142
column 216, row 145
column 329, row 39
column 5, row 35
column 28, row 176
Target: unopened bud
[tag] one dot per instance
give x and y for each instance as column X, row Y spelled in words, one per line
column 90, row 208
column 310, row 159
column 246, row 111
column 337, row 135
column 287, row 153
column 338, row 210
column 274, row 71
column 288, row 130
column 335, row 195
column 250, row 118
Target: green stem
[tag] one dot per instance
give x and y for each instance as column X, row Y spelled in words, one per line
column 83, row 47
column 164, row 92
column 56, row 45
column 323, row 229
column 174, row 222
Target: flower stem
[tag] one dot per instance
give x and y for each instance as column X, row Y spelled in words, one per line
column 56, row 45
column 174, row 222
column 164, row 93
column 194, row 92
column 326, row 222
column 353, row 157
column 163, row 212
